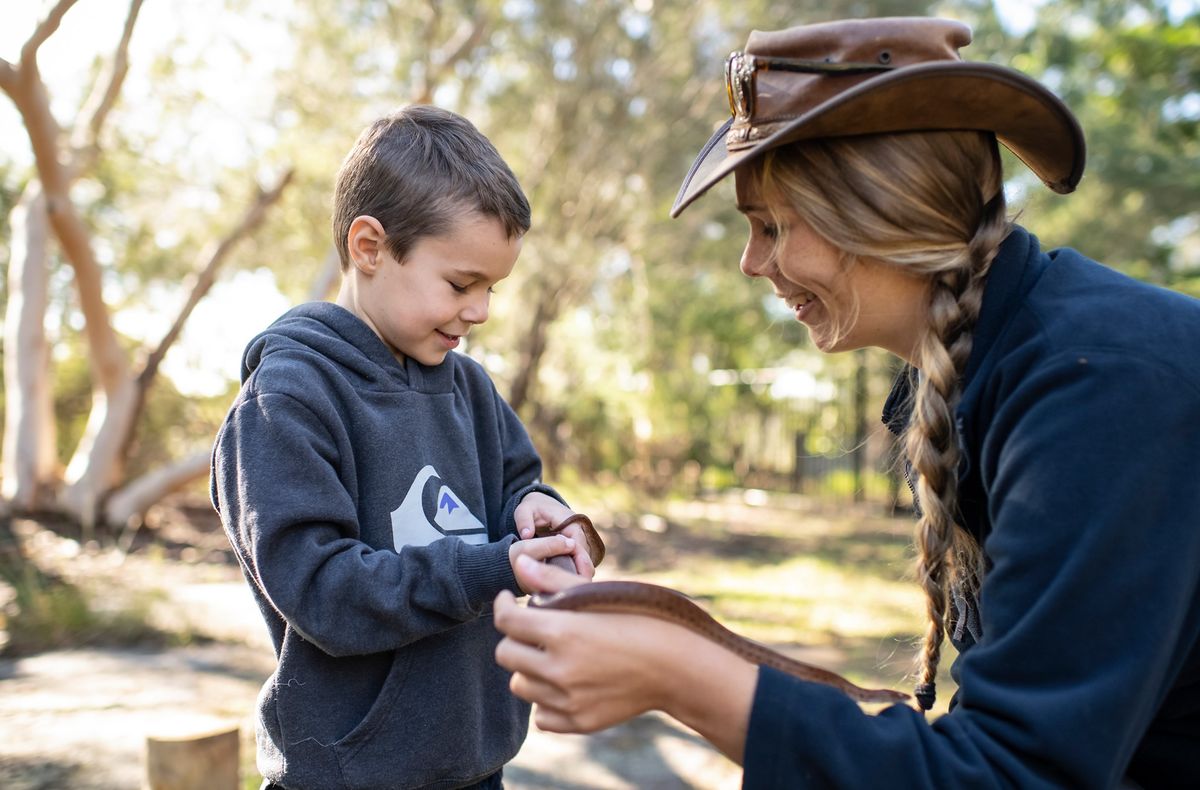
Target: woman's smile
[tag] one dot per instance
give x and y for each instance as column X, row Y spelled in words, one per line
column 845, row 302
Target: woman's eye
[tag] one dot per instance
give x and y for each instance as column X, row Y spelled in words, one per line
column 462, row 289
column 770, row 231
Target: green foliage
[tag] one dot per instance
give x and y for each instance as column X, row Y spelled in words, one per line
column 621, row 314
column 72, row 394
column 1131, row 73
column 42, row 612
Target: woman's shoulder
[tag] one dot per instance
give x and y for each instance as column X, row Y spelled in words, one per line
column 1080, row 305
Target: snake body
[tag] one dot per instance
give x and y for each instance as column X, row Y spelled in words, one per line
column 627, row 597
column 595, row 545
column 651, row 600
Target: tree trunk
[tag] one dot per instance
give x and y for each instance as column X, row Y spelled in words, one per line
column 860, row 424
column 132, row 501
column 328, row 279
column 544, row 314
column 205, row 761
column 28, row 468
column 98, row 463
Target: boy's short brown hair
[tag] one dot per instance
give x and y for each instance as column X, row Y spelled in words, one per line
column 419, row 169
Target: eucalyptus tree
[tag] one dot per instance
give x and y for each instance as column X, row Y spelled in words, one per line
column 95, row 485
column 1131, row 72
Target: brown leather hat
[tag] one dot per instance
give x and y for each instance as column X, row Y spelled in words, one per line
column 865, row 76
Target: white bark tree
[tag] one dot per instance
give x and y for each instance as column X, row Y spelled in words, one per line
column 93, row 487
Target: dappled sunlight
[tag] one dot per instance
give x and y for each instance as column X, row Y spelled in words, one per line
column 167, row 188
column 823, row 582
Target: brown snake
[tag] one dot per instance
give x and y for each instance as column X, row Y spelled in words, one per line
column 663, row 603
column 595, row 545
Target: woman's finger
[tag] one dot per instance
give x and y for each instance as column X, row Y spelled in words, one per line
column 534, row 627
column 538, row 691
column 517, row 655
column 549, row 719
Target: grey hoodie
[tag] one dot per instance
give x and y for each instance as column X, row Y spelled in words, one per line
column 370, row 504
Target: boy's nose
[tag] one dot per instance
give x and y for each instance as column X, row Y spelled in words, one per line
column 476, row 311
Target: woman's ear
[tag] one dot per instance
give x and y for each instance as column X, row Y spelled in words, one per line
column 364, row 241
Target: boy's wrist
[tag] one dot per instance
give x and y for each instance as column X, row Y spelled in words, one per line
column 486, row 570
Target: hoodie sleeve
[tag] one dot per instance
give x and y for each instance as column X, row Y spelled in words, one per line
column 284, row 498
column 522, row 465
column 1089, row 609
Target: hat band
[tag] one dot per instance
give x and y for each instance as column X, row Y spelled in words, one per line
column 741, row 70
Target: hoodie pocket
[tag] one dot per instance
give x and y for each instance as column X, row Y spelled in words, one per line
column 380, row 711
column 445, row 721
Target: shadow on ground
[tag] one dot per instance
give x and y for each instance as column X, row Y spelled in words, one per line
column 79, row 718
column 31, row 773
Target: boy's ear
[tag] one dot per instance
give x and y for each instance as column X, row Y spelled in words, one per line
column 365, row 241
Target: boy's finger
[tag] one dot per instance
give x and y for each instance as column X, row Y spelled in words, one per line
column 583, row 564
column 541, row 548
column 524, row 522
column 540, row 577
column 581, row 560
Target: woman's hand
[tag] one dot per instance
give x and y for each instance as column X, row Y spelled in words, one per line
column 589, row 671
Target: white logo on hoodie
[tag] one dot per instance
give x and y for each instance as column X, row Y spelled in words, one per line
column 412, row 526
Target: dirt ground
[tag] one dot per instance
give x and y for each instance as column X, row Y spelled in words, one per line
column 79, row 718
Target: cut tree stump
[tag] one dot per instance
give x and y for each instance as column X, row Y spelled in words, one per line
column 203, row 761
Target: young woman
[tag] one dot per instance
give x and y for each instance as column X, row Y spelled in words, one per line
column 1050, row 416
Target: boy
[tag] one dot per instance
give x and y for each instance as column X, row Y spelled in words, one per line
column 375, row 485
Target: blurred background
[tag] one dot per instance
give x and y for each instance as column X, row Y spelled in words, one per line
column 165, row 177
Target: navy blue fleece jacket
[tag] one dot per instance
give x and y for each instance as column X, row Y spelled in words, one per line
column 1080, row 426
column 370, row 504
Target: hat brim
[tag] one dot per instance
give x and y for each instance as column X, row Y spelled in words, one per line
column 1024, row 115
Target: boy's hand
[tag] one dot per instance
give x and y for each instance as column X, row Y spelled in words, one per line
column 539, row 510
column 535, row 576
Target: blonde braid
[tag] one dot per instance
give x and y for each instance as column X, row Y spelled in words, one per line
column 931, row 203
column 948, row 557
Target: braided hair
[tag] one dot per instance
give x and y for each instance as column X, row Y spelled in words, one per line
column 933, row 204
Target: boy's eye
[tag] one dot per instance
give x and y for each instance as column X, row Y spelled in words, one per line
column 462, row 289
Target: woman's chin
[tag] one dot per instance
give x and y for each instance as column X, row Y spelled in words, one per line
column 830, row 342
column 823, row 340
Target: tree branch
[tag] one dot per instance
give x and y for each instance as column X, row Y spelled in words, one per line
column 108, row 362
column 44, row 30
column 467, row 37
column 207, row 275
column 8, row 76
column 327, row 278
column 100, row 102
column 134, row 498
column 422, row 91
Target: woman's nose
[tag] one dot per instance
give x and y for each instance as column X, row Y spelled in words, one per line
column 754, row 263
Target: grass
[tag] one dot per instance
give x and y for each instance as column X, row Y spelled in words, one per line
column 54, row 595
column 49, row 613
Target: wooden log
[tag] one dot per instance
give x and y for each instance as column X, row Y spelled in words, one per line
column 203, row 761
